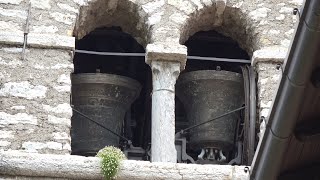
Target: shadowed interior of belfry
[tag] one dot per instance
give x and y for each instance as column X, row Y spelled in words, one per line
column 114, row 93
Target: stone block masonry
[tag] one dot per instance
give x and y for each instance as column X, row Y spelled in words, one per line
column 268, row 65
column 35, row 93
column 253, row 25
column 269, row 75
column 35, row 107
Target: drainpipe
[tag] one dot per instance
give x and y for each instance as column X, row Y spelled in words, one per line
column 300, row 62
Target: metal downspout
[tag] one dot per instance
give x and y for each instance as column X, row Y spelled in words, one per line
column 286, row 106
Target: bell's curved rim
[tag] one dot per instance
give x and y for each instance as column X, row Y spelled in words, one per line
column 209, row 75
column 104, row 78
column 216, row 144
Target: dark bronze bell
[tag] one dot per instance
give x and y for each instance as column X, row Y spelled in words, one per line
column 205, row 95
column 105, row 98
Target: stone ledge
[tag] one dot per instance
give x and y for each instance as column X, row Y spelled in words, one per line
column 39, row 40
column 273, row 54
column 167, row 52
column 77, row 167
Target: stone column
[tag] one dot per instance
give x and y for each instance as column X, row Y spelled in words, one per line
column 166, row 61
column 164, row 76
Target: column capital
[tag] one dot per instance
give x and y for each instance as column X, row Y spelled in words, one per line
column 170, row 52
column 164, row 75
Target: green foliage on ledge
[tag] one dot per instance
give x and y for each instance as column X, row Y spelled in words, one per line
column 110, row 161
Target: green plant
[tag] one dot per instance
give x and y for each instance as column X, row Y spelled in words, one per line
column 110, row 161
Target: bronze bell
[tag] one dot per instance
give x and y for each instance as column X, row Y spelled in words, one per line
column 205, row 95
column 105, row 98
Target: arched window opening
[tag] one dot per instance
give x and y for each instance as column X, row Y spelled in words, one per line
column 207, row 89
column 214, row 44
column 112, row 90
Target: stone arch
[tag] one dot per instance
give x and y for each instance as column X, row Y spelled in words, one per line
column 126, row 14
column 226, row 18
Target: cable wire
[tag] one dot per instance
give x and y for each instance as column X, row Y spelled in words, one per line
column 143, row 55
column 216, row 118
column 87, row 117
column 110, row 53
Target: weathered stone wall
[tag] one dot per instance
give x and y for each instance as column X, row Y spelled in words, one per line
column 268, row 59
column 35, row 112
column 254, row 24
column 268, row 65
column 35, row 104
column 35, row 107
column 269, row 75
